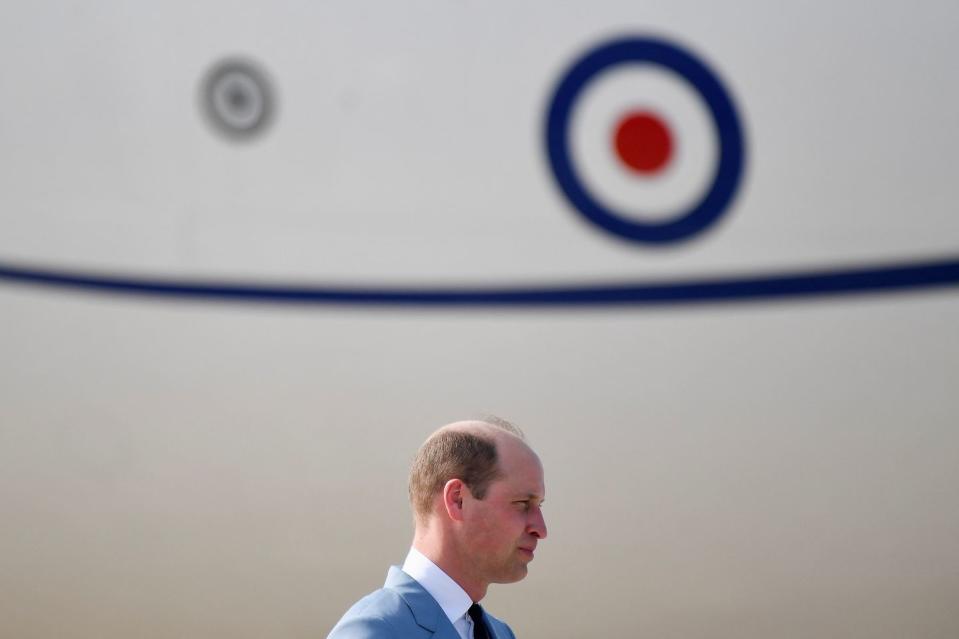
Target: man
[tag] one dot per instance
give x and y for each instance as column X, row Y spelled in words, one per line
column 477, row 493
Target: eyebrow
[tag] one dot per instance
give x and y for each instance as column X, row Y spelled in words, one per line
column 531, row 496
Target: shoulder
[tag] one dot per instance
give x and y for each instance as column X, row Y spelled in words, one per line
column 499, row 627
column 379, row 615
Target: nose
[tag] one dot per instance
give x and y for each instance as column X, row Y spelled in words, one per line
column 536, row 525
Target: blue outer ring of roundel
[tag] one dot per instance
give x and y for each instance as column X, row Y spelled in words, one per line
column 731, row 157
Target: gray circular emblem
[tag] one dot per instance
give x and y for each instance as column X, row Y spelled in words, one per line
column 237, row 98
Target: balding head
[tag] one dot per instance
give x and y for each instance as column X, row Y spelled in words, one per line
column 465, row 450
column 477, row 491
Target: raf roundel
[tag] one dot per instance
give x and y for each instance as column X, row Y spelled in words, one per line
column 644, row 141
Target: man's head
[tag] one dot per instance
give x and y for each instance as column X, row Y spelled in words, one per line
column 477, row 489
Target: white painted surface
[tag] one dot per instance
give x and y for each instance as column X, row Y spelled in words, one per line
column 196, row 470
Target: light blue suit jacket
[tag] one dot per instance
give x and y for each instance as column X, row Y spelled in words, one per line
column 403, row 609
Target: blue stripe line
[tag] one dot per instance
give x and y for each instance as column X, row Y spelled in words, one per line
column 871, row 279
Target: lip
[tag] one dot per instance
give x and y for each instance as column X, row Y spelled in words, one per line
column 527, row 551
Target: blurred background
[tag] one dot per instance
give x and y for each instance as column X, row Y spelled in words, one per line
column 194, row 465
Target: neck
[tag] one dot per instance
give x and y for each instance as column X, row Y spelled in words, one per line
column 439, row 549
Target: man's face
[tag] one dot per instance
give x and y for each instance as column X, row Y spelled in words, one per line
column 502, row 529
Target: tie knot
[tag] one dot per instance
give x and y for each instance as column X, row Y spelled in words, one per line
column 475, row 612
column 479, row 626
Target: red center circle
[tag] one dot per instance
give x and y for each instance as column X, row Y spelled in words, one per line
column 643, row 142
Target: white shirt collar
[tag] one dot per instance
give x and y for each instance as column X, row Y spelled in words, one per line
column 452, row 599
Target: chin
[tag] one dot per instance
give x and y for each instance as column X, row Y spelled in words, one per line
column 516, row 575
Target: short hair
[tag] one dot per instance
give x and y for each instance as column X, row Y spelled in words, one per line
column 456, row 454
column 503, row 424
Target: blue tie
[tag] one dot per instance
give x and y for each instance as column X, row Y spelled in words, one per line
column 479, row 626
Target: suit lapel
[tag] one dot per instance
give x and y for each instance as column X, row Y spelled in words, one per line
column 426, row 611
column 444, row 629
column 492, row 627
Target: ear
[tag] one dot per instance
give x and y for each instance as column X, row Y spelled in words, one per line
column 453, row 493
